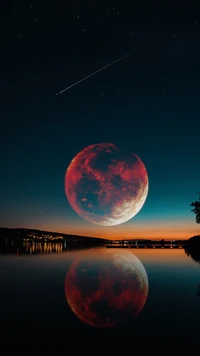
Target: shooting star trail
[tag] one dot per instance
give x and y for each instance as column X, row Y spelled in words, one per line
column 99, row 70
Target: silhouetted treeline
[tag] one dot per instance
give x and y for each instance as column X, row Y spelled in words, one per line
column 192, row 248
column 149, row 242
column 196, row 209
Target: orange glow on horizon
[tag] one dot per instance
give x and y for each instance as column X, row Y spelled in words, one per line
column 147, row 230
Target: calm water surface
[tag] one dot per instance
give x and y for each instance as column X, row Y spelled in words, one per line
column 147, row 295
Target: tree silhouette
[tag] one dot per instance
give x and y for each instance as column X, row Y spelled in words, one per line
column 196, row 209
column 192, row 249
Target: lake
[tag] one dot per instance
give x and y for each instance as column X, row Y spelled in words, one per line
column 108, row 296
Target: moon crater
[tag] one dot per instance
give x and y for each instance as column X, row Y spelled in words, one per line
column 106, row 185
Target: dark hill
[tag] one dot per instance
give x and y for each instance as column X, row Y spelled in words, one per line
column 41, row 235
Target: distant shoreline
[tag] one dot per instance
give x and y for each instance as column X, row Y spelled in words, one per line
column 35, row 235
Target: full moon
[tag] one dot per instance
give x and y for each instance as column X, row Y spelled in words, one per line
column 108, row 289
column 106, row 185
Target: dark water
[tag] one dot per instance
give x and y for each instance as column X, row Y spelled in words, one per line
column 34, row 304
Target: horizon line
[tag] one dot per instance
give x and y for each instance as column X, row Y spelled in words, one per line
column 97, row 237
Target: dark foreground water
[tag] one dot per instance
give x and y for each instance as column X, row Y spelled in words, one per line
column 99, row 299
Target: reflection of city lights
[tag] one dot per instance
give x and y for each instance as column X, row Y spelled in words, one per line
column 43, row 248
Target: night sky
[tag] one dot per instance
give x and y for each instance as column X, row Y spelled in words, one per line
column 148, row 102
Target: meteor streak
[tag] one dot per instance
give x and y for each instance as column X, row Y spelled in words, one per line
column 99, row 70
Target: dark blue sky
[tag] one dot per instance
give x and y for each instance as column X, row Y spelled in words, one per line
column 148, row 102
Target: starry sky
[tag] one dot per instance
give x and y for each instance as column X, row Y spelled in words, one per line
column 149, row 102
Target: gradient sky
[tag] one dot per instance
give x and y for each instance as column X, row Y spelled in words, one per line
column 148, row 102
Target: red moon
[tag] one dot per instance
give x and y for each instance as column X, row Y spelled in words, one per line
column 108, row 289
column 106, row 185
